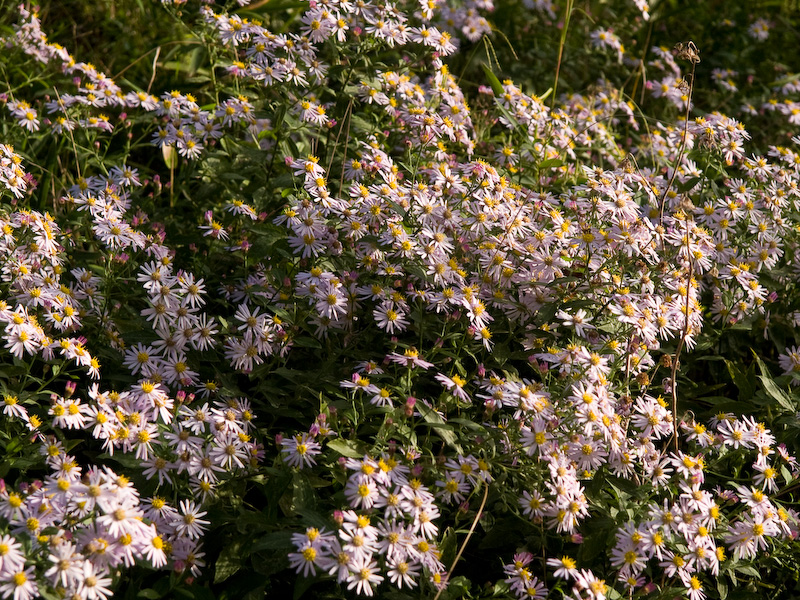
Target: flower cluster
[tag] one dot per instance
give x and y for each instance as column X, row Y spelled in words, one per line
column 388, row 532
column 474, row 308
column 11, row 174
column 183, row 124
column 85, row 524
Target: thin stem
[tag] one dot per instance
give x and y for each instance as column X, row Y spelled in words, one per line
column 466, row 540
column 561, row 50
column 155, row 65
column 681, row 148
column 681, row 342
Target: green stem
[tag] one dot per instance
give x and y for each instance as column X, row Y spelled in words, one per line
column 561, row 50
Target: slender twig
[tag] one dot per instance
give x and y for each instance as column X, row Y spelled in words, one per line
column 682, row 341
column 561, row 50
column 466, row 540
column 71, row 136
column 689, row 52
column 642, row 68
column 155, row 63
column 346, row 142
column 685, row 135
column 143, row 56
column 258, row 4
column 339, row 133
column 786, row 490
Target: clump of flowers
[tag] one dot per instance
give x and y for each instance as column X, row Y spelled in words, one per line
column 388, row 532
column 392, row 326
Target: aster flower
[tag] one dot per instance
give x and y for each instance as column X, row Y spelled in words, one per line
column 299, row 451
column 565, row 567
column 390, row 318
column 455, row 385
column 409, row 358
column 578, row 321
column 308, row 558
column 364, row 575
column 19, row 585
column 12, row 407
column 12, row 560
column 189, row 522
column 94, row 586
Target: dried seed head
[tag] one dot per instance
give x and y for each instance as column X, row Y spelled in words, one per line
column 705, row 141
column 627, row 164
column 687, row 51
column 686, row 204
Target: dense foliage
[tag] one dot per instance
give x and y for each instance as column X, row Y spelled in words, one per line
column 419, row 299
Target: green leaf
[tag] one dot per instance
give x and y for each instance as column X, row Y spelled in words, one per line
column 228, row 563
column 361, row 124
column 777, row 394
column 505, row 533
column 743, row 380
column 551, row 163
column 280, row 540
column 443, row 429
column 592, row 546
column 497, row 87
column 501, row 588
column 458, row 587
column 347, row 448
column 749, row 570
column 303, row 496
column 301, row 586
column 467, row 423
column 447, row 547
column 501, row 354
column 772, row 389
column 784, row 80
column 148, row 594
column 170, row 155
column 307, row 342
column 48, row 595
column 688, row 184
